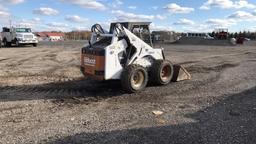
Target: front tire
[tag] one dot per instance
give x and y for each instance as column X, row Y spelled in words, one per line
column 17, row 43
column 162, row 72
column 6, row 43
column 134, row 78
column 35, row 45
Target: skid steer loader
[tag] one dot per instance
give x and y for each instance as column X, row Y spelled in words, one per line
column 126, row 53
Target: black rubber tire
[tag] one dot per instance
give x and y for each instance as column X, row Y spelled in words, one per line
column 8, row 44
column 5, row 43
column 16, row 43
column 35, row 45
column 156, row 72
column 128, row 74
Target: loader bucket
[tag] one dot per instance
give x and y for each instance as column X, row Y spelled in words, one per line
column 180, row 74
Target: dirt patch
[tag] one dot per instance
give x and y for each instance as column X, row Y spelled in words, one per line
column 217, row 68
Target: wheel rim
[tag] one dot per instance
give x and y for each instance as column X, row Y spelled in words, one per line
column 137, row 79
column 166, row 73
column 17, row 43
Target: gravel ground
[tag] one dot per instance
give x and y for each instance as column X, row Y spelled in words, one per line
column 45, row 99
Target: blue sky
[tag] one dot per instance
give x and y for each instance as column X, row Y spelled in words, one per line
column 177, row 15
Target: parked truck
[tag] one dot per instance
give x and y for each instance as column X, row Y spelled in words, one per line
column 18, row 36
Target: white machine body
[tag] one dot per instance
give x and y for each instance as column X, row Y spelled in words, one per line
column 143, row 55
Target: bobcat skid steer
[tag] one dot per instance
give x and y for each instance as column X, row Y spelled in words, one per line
column 125, row 53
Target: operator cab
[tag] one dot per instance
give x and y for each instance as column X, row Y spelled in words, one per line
column 140, row 29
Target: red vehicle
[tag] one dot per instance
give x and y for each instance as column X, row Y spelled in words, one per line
column 221, row 34
column 240, row 40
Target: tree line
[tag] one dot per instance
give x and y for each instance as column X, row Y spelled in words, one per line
column 78, row 35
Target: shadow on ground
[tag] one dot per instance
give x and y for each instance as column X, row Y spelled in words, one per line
column 232, row 120
column 62, row 90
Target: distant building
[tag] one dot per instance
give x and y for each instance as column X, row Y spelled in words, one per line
column 41, row 36
column 55, row 36
column 50, row 36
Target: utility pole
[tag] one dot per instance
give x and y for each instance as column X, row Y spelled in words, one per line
column 10, row 21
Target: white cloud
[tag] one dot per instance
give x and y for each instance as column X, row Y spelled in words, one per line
column 231, row 20
column 199, row 28
column 4, row 17
column 132, row 7
column 105, row 25
column 4, row 6
column 161, row 17
column 227, row 4
column 174, row 9
column 155, row 27
column 14, row 2
column 4, row 14
column 36, row 19
column 80, row 28
column 33, row 23
column 184, row 22
column 119, row 2
column 124, row 16
column 116, row 3
column 75, row 19
column 29, row 23
column 242, row 15
column 252, row 28
column 57, row 24
column 46, row 11
column 221, row 22
column 90, row 4
column 155, row 7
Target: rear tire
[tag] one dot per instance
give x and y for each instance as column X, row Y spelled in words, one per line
column 6, row 44
column 134, row 78
column 35, row 45
column 161, row 72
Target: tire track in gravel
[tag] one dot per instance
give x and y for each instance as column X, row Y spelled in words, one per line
column 95, row 91
column 65, row 90
column 102, row 90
